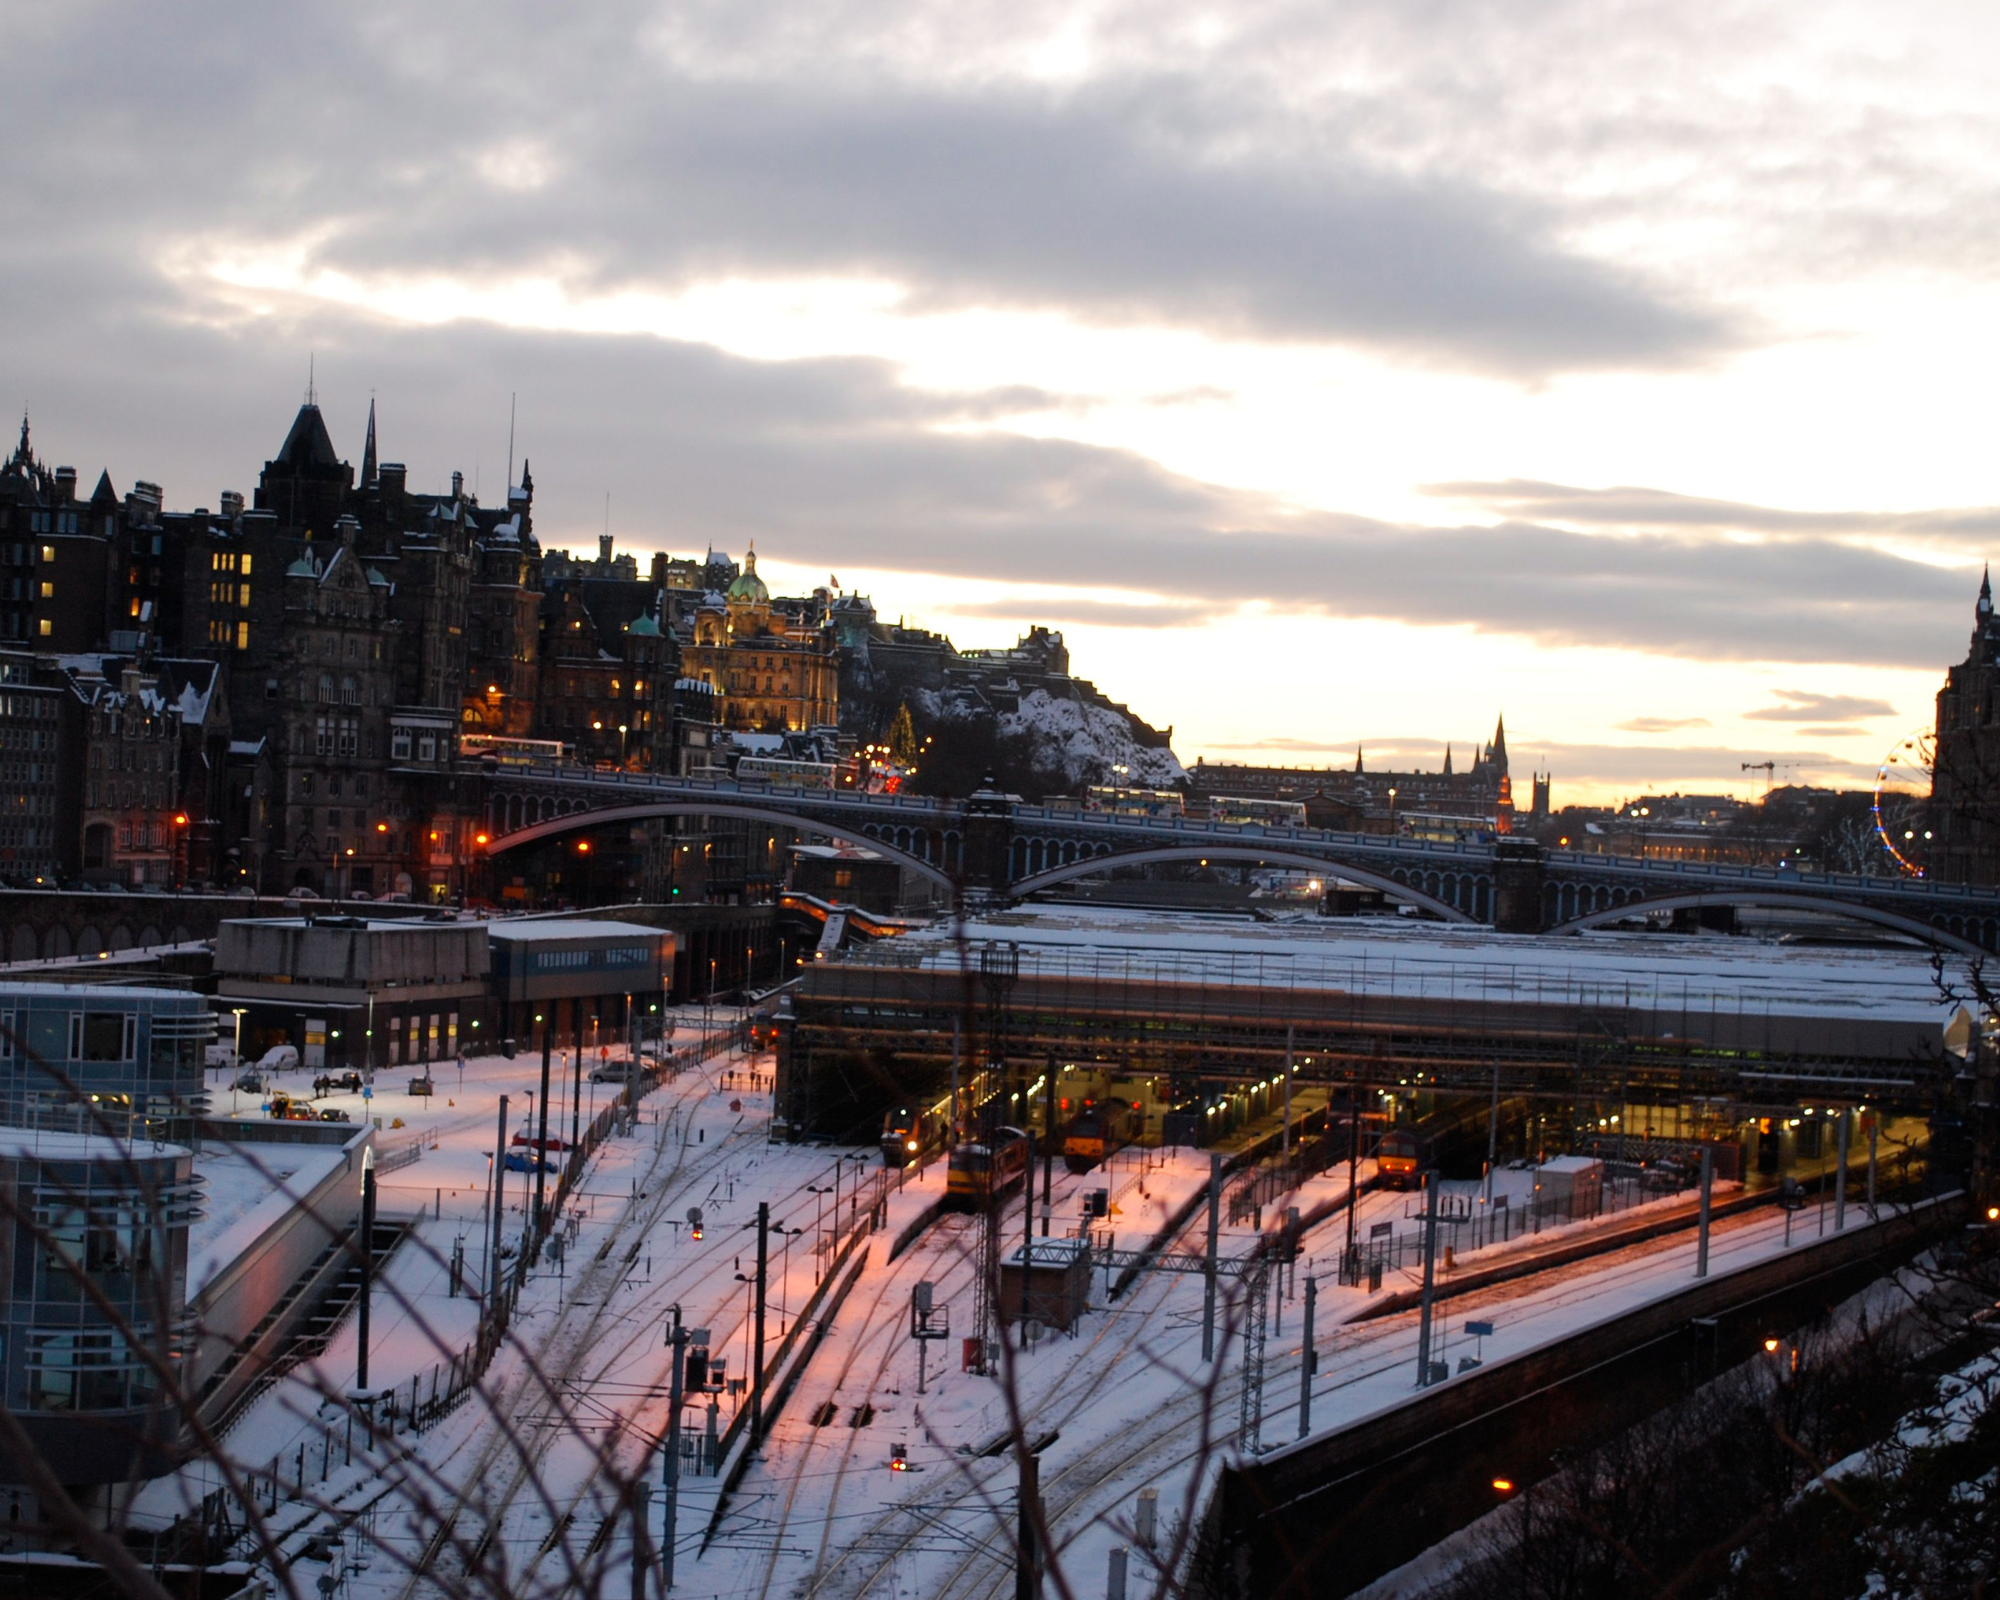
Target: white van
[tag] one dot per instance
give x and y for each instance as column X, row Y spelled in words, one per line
column 280, row 1058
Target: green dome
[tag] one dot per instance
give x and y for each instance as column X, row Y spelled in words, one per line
column 748, row 589
column 644, row 626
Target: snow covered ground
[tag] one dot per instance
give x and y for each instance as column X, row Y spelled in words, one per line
column 818, row 1511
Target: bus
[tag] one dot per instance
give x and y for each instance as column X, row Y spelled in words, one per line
column 1134, row 802
column 510, row 752
column 1245, row 808
column 783, row 774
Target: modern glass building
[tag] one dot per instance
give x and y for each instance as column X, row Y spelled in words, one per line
column 92, row 1331
column 120, row 1062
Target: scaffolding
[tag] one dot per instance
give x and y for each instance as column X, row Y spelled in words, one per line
column 1225, row 1019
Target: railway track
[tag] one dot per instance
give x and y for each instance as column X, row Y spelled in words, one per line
column 446, row 1559
column 1090, row 1485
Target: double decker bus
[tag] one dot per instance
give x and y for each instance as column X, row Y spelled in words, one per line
column 1248, row 808
column 783, row 774
column 1133, row 802
column 509, row 752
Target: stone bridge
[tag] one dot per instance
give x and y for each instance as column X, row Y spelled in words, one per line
column 992, row 845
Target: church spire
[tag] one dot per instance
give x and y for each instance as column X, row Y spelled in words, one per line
column 1447, row 758
column 1982, row 610
column 368, row 472
column 1499, row 745
column 1358, row 766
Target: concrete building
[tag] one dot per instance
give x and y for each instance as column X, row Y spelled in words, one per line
column 374, row 992
column 576, row 972
column 330, row 985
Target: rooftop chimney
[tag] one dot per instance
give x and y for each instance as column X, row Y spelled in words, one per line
column 232, row 504
column 66, row 486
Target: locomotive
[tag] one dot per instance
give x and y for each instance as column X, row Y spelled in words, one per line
column 1100, row 1131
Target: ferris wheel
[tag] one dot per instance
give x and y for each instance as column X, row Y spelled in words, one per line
column 1902, row 806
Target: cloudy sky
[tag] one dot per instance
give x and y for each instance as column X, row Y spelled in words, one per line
column 1331, row 374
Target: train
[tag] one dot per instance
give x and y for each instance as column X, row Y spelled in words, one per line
column 909, row 1132
column 981, row 1172
column 1408, row 1150
column 1100, row 1131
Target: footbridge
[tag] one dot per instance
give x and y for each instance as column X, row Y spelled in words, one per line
column 997, row 847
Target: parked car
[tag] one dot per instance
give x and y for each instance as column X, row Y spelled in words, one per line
column 299, row 1111
column 521, row 1159
column 612, row 1072
column 334, row 1114
column 421, row 1085
column 219, row 1055
column 280, row 1058
column 251, row 1081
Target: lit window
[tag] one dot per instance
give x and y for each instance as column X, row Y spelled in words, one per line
column 47, row 627
column 243, row 636
column 48, row 591
column 243, row 566
column 48, row 552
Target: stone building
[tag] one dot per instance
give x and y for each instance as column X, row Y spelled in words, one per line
column 1964, row 812
column 773, row 664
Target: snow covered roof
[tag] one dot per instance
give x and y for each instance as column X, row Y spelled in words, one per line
column 38, row 1144
column 554, row 930
column 1393, row 956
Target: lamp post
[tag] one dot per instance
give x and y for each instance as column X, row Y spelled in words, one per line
column 1392, row 811
column 237, row 1013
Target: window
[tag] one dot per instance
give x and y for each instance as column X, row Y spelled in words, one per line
column 243, row 641
column 399, row 745
column 322, row 736
column 108, row 1035
column 349, row 736
column 243, row 566
column 243, row 595
column 46, row 627
column 48, row 591
column 326, row 688
column 349, row 694
column 427, row 747
column 270, row 685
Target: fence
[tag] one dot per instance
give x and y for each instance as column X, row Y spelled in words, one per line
column 1392, row 1249
column 405, row 1151
column 1252, row 1193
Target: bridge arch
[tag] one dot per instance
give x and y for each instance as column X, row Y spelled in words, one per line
column 1323, row 865
column 1776, row 900
column 570, row 821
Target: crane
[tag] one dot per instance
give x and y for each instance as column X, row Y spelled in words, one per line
column 1770, row 771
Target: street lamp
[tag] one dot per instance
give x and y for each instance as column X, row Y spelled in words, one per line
column 1392, row 811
